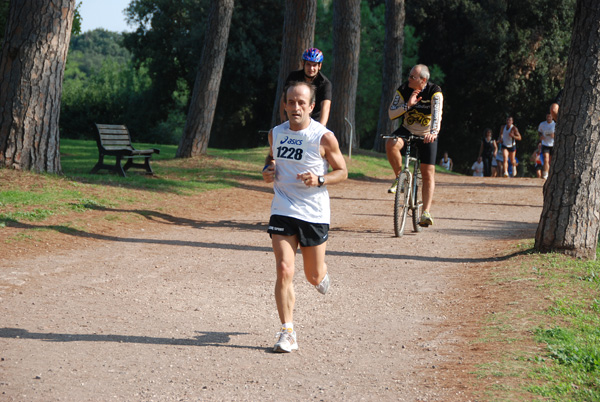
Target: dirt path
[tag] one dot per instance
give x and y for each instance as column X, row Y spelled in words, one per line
column 181, row 307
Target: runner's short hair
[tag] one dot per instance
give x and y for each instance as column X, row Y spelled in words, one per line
column 293, row 84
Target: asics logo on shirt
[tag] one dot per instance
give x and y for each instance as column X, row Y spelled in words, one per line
column 290, row 141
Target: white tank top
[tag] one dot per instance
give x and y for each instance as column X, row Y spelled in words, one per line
column 299, row 152
column 547, row 129
column 507, row 140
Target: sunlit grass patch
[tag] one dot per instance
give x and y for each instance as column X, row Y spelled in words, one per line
column 566, row 326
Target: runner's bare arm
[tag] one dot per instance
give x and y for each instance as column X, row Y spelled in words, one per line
column 269, row 169
column 330, row 149
column 515, row 133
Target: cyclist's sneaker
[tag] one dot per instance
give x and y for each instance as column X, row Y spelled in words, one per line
column 426, row 219
column 287, row 341
column 392, row 190
column 323, row 287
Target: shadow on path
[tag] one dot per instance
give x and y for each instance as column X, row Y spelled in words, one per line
column 219, row 339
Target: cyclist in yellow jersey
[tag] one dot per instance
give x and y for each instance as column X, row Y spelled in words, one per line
column 419, row 102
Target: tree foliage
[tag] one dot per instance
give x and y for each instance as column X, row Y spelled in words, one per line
column 492, row 58
column 88, row 51
column 500, row 58
column 102, row 86
column 168, row 40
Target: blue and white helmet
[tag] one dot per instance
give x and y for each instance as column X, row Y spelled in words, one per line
column 313, row 54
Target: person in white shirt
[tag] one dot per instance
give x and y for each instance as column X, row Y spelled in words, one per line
column 477, row 167
column 301, row 153
column 446, row 162
column 509, row 135
column 546, row 130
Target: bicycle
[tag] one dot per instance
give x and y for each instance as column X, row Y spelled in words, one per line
column 407, row 195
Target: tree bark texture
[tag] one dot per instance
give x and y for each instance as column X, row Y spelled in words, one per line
column 298, row 35
column 392, row 68
column 570, row 217
column 32, row 65
column 196, row 134
column 344, row 71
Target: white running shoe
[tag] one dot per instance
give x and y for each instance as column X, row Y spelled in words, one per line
column 323, row 287
column 287, row 341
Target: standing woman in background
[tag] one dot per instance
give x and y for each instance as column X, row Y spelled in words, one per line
column 488, row 151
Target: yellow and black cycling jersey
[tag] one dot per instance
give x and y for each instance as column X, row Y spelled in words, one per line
column 426, row 116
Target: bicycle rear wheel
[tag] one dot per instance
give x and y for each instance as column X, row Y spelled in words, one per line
column 402, row 203
column 417, row 201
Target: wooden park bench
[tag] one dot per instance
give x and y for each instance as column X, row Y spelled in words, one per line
column 114, row 140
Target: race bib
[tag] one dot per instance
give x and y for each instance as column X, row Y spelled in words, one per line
column 290, row 148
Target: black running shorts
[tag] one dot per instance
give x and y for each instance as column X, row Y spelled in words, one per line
column 309, row 234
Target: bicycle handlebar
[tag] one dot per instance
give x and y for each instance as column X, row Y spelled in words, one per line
column 411, row 137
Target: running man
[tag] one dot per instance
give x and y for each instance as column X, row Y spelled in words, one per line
column 302, row 150
column 546, row 130
column 420, row 103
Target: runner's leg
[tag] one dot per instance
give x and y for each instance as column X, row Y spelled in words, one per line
column 546, row 166
column 314, row 263
column 505, row 162
column 285, row 248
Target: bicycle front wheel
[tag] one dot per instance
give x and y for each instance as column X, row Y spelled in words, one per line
column 402, row 203
column 417, row 201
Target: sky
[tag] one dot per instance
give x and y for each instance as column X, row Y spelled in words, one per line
column 107, row 14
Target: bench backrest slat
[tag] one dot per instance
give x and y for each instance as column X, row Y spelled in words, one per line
column 113, row 137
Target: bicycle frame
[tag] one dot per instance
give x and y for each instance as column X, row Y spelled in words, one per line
column 407, row 193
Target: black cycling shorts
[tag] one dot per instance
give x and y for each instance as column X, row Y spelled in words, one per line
column 309, row 234
column 427, row 152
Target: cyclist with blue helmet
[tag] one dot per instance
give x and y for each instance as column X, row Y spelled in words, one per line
column 312, row 60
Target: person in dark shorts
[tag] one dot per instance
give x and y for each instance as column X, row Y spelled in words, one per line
column 301, row 152
column 546, row 131
column 508, row 137
column 419, row 102
column 488, row 151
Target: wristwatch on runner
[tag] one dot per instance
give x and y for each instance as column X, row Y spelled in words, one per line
column 321, row 181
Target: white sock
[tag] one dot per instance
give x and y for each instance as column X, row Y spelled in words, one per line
column 288, row 326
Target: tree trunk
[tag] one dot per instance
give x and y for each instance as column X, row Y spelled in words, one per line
column 298, row 35
column 32, row 64
column 201, row 113
column 344, row 71
column 570, row 218
column 392, row 68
